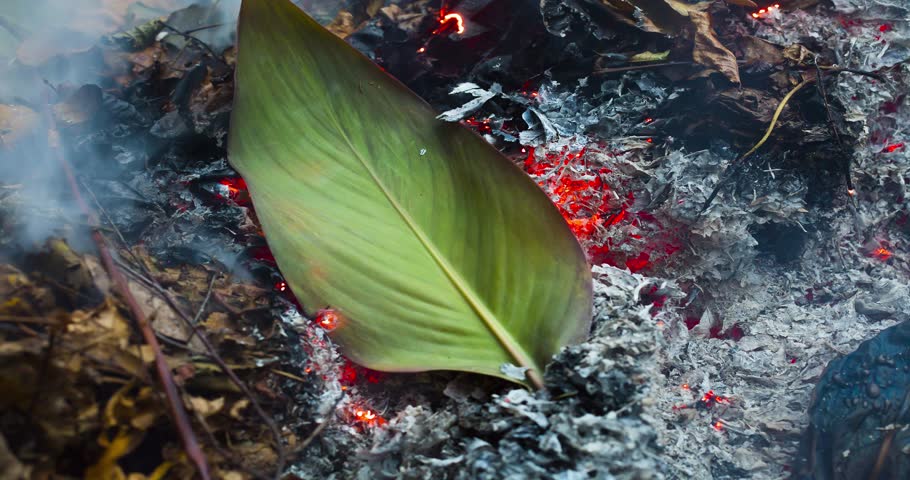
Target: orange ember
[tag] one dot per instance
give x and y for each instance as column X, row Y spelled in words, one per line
column 882, row 253
column 327, row 319
column 459, row 21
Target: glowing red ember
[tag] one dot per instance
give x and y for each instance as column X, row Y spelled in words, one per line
column 882, row 253
column 893, row 147
column 327, row 319
column 459, row 21
column 765, row 11
column 236, row 190
column 367, row 417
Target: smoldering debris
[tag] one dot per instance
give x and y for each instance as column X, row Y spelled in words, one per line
column 713, row 325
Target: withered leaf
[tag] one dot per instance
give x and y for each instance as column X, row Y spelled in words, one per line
column 16, row 123
column 19, row 296
column 708, row 50
column 342, row 25
column 797, row 53
column 80, row 107
column 678, row 18
column 757, row 51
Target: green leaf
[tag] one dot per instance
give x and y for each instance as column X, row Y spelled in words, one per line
column 437, row 252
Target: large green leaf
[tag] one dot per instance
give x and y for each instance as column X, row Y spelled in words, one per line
column 438, row 252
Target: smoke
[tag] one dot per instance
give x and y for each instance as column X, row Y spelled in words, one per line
column 48, row 49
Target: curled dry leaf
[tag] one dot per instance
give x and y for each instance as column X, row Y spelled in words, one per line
column 708, row 50
column 675, row 18
column 797, row 53
column 343, row 24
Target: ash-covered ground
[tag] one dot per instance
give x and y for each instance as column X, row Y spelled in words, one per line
column 704, row 366
column 712, row 326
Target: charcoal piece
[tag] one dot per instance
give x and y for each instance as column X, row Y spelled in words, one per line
column 169, row 127
column 577, row 18
column 857, row 411
column 782, row 241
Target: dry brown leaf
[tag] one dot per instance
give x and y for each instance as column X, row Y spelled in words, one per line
column 80, row 107
column 163, row 318
column 797, row 53
column 757, row 51
column 258, row 456
column 65, row 270
column 16, row 123
column 751, row 107
column 407, row 21
column 678, row 18
column 708, row 50
column 372, row 7
column 342, row 25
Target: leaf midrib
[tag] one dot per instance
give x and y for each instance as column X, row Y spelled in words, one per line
column 489, row 319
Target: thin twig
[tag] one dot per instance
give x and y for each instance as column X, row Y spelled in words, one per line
column 205, row 301
column 319, row 429
column 194, row 39
column 777, row 112
column 833, row 128
column 216, row 358
column 836, row 70
column 199, row 29
column 883, row 452
column 175, row 403
column 645, row 66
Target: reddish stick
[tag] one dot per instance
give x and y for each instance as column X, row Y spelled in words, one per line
column 119, row 281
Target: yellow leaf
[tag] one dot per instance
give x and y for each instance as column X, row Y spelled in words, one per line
column 650, row 56
column 106, row 467
column 206, row 407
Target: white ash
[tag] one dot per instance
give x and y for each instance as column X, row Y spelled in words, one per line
column 632, row 407
column 795, row 317
column 595, row 430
